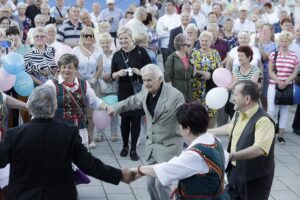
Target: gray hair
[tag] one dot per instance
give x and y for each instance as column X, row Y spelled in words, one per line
column 243, row 33
column 192, row 27
column 154, row 70
column 42, row 102
column 213, row 26
column 39, row 29
column 39, row 17
column 179, row 41
column 208, row 35
column 139, row 11
column 51, row 26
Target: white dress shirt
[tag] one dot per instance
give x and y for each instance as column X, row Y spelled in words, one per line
column 247, row 26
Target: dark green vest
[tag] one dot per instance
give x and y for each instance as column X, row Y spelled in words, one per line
column 207, row 186
column 67, row 109
column 257, row 167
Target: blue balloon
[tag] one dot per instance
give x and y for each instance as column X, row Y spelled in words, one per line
column 24, row 84
column 297, row 94
column 13, row 63
column 110, row 99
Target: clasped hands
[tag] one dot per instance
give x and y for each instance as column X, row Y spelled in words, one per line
column 130, row 175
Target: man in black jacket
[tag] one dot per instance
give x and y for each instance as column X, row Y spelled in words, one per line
column 251, row 146
column 41, row 153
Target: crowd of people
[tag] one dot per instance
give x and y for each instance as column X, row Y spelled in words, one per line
column 158, row 58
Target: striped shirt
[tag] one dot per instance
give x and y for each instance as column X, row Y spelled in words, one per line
column 285, row 65
column 40, row 65
column 68, row 33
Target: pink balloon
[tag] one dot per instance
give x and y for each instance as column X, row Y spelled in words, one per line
column 7, row 80
column 65, row 49
column 101, row 119
column 222, row 77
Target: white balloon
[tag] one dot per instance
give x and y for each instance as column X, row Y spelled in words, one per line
column 216, row 98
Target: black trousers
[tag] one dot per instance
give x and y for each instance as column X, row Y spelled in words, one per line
column 296, row 122
column 258, row 189
column 165, row 53
column 131, row 125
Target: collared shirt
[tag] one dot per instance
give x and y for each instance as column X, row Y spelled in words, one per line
column 264, row 131
column 62, row 12
column 117, row 14
column 93, row 101
column 69, row 33
column 247, row 26
column 200, row 19
column 137, row 27
column 152, row 100
column 187, row 164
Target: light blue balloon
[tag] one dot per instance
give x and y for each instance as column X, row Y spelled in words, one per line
column 24, row 84
column 110, row 99
column 13, row 63
column 297, row 94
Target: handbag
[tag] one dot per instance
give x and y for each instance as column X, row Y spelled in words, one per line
column 283, row 96
column 137, row 85
column 80, row 177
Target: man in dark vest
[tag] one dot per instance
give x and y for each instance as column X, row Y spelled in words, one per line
column 251, row 146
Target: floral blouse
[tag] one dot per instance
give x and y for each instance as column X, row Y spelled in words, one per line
column 207, row 62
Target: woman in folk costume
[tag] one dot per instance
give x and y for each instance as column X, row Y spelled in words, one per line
column 200, row 168
column 6, row 101
column 74, row 95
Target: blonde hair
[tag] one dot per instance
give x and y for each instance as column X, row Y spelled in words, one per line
column 141, row 38
column 123, row 30
column 285, row 35
column 84, row 31
column 207, row 35
column 105, row 37
column 103, row 24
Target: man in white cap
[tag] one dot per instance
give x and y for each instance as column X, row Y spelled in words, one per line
column 242, row 23
column 113, row 15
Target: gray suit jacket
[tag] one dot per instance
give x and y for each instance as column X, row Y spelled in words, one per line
column 163, row 140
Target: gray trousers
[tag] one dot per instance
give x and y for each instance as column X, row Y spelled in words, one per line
column 155, row 189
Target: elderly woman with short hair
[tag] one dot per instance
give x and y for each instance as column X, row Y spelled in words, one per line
column 51, row 37
column 232, row 58
column 178, row 69
column 196, row 177
column 282, row 70
column 74, row 95
column 39, row 59
column 39, row 21
column 205, row 61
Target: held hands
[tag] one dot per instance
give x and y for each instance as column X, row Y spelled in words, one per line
column 282, row 84
column 122, row 72
column 129, row 175
column 111, row 111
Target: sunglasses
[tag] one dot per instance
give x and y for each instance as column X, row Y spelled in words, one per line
column 130, row 13
column 88, row 36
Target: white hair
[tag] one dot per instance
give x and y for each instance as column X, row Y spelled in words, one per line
column 139, row 11
column 154, row 70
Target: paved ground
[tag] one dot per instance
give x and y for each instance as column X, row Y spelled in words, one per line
column 286, row 185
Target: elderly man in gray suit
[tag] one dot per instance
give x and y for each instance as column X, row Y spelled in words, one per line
column 159, row 101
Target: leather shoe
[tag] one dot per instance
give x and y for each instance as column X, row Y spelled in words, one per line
column 297, row 132
column 124, row 152
column 133, row 155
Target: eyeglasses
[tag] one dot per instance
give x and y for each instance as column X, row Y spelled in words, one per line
column 88, row 36
column 40, row 36
column 188, row 45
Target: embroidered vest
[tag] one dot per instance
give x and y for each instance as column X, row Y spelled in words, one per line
column 209, row 186
column 67, row 109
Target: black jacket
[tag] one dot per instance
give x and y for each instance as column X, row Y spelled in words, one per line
column 40, row 154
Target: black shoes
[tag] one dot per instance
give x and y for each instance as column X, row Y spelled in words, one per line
column 281, row 140
column 124, row 152
column 133, row 155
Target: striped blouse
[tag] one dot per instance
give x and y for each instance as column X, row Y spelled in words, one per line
column 285, row 65
column 40, row 65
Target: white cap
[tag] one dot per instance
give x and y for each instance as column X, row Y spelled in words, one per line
column 110, row 1
column 243, row 7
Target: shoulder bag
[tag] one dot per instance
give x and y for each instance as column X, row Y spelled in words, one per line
column 283, row 96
